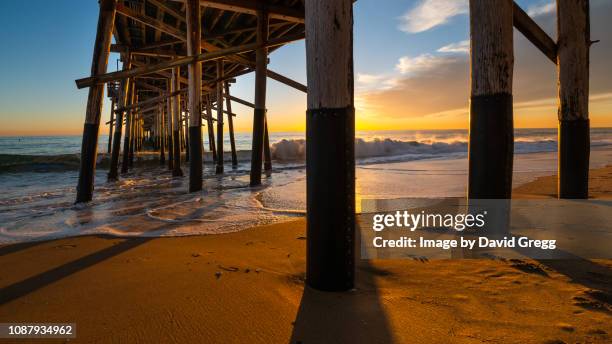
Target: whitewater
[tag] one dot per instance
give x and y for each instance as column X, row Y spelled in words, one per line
column 38, row 176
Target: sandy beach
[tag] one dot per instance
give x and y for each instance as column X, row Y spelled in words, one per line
column 247, row 287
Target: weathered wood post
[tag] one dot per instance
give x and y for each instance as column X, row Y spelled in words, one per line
column 123, row 101
column 219, row 89
column 110, row 126
column 230, row 125
column 491, row 141
column 128, row 131
column 211, row 131
column 330, row 158
column 186, row 136
column 133, row 129
column 89, row 146
column 574, row 41
column 176, row 108
column 259, row 113
column 194, row 29
column 169, row 124
column 162, row 135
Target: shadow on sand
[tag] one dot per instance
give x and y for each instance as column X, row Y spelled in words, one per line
column 355, row 316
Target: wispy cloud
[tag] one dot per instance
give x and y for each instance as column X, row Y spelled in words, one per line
column 462, row 47
column 380, row 82
column 541, row 9
column 431, row 13
column 412, row 66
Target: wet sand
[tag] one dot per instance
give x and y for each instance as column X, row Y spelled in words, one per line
column 247, row 287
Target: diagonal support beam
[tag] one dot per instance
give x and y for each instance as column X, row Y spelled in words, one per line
column 240, row 101
column 535, row 34
column 285, row 80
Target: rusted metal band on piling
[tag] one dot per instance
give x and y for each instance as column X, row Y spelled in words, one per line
column 574, row 141
column 330, row 184
column 491, row 146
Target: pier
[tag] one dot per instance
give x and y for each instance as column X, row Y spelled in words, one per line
column 181, row 57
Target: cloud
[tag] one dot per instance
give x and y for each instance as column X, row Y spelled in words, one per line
column 368, row 79
column 375, row 81
column 435, row 87
column 541, row 9
column 431, row 13
column 462, row 47
column 411, row 66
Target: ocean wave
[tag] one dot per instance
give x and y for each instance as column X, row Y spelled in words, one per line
column 38, row 163
column 293, row 151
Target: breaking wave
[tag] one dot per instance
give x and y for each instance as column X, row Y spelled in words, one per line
column 365, row 150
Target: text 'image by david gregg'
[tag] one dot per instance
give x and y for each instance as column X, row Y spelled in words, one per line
column 306, row 171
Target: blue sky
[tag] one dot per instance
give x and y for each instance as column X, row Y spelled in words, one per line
column 396, row 43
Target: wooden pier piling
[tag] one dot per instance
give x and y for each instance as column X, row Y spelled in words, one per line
column 219, row 89
column 128, row 132
column 169, row 125
column 266, row 145
column 89, row 146
column 230, row 125
column 491, row 137
column 574, row 41
column 176, row 113
column 211, row 130
column 162, row 136
column 123, row 101
column 133, row 130
column 110, row 126
column 195, row 96
column 259, row 113
column 157, row 44
column 330, row 158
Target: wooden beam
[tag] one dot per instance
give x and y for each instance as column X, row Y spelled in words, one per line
column 183, row 61
column 155, row 52
column 156, row 45
column 285, row 80
column 239, row 101
column 252, row 6
column 149, row 21
column 533, row 32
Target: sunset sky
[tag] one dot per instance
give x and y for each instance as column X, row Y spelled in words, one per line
column 411, row 68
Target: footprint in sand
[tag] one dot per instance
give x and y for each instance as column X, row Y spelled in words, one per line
column 597, row 331
column 566, row 327
column 594, row 300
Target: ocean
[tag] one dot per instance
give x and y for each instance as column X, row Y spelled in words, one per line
column 38, row 177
